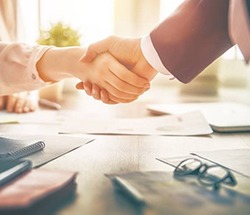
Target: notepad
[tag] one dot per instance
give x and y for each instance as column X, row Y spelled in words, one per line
column 18, row 148
column 56, row 146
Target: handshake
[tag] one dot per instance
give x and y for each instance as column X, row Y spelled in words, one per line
column 128, row 73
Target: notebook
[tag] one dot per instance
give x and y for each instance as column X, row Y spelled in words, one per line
column 222, row 116
column 18, row 148
column 36, row 191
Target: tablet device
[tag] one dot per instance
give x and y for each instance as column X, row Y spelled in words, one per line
column 222, row 116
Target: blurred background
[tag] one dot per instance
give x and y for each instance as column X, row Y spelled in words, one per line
column 92, row 20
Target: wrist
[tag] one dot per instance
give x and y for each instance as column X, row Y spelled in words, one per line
column 147, row 71
column 59, row 63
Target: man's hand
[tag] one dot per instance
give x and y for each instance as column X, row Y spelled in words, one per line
column 107, row 73
column 126, row 51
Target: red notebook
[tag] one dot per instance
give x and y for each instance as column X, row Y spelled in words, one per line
column 35, row 187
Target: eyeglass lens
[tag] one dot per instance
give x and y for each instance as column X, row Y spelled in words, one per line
column 208, row 175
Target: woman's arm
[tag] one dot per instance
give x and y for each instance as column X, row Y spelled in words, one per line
column 26, row 67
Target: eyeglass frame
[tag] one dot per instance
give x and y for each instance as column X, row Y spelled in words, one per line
column 206, row 167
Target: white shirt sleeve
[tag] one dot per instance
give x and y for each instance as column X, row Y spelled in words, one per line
column 152, row 56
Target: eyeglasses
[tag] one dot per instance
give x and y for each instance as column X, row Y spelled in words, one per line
column 208, row 175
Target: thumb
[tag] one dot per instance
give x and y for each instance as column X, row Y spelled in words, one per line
column 95, row 49
column 80, row 86
column 89, row 55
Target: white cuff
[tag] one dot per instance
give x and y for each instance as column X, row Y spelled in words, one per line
column 152, row 56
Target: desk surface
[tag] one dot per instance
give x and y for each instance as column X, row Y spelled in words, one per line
column 109, row 154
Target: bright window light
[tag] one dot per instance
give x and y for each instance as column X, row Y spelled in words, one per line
column 92, row 19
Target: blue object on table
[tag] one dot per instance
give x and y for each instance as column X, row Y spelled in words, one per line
column 10, row 169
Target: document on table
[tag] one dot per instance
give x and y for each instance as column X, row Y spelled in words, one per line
column 55, row 146
column 192, row 123
column 222, row 116
column 235, row 159
column 37, row 117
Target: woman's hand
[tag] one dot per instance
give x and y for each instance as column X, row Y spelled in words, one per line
column 18, row 103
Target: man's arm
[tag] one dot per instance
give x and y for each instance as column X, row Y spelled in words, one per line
column 183, row 44
column 196, row 34
column 192, row 37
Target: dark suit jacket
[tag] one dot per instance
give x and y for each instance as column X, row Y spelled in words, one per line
column 193, row 36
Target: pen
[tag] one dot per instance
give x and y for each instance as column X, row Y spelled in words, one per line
column 129, row 190
column 12, row 169
column 50, row 104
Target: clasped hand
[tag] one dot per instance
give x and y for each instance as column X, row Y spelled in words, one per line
column 127, row 78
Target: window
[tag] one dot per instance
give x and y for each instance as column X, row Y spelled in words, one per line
column 92, row 19
column 168, row 6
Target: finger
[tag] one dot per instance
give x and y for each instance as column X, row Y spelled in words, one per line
column 96, row 92
column 99, row 93
column 109, row 98
column 120, row 77
column 105, row 97
column 28, row 106
column 11, row 103
column 135, row 81
column 80, row 86
column 88, row 88
column 120, row 100
column 20, row 105
column 2, row 102
column 129, row 82
column 117, row 93
column 107, row 79
column 96, row 48
column 121, row 89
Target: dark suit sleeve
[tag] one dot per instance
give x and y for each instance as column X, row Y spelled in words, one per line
column 192, row 37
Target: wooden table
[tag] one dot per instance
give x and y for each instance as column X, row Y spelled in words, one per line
column 111, row 154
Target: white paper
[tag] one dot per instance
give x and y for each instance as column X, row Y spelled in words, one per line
column 222, row 116
column 192, row 123
column 235, row 159
column 37, row 117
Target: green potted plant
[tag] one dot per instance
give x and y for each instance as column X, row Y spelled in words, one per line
column 59, row 35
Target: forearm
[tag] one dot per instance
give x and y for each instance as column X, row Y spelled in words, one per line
column 59, row 63
column 191, row 38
